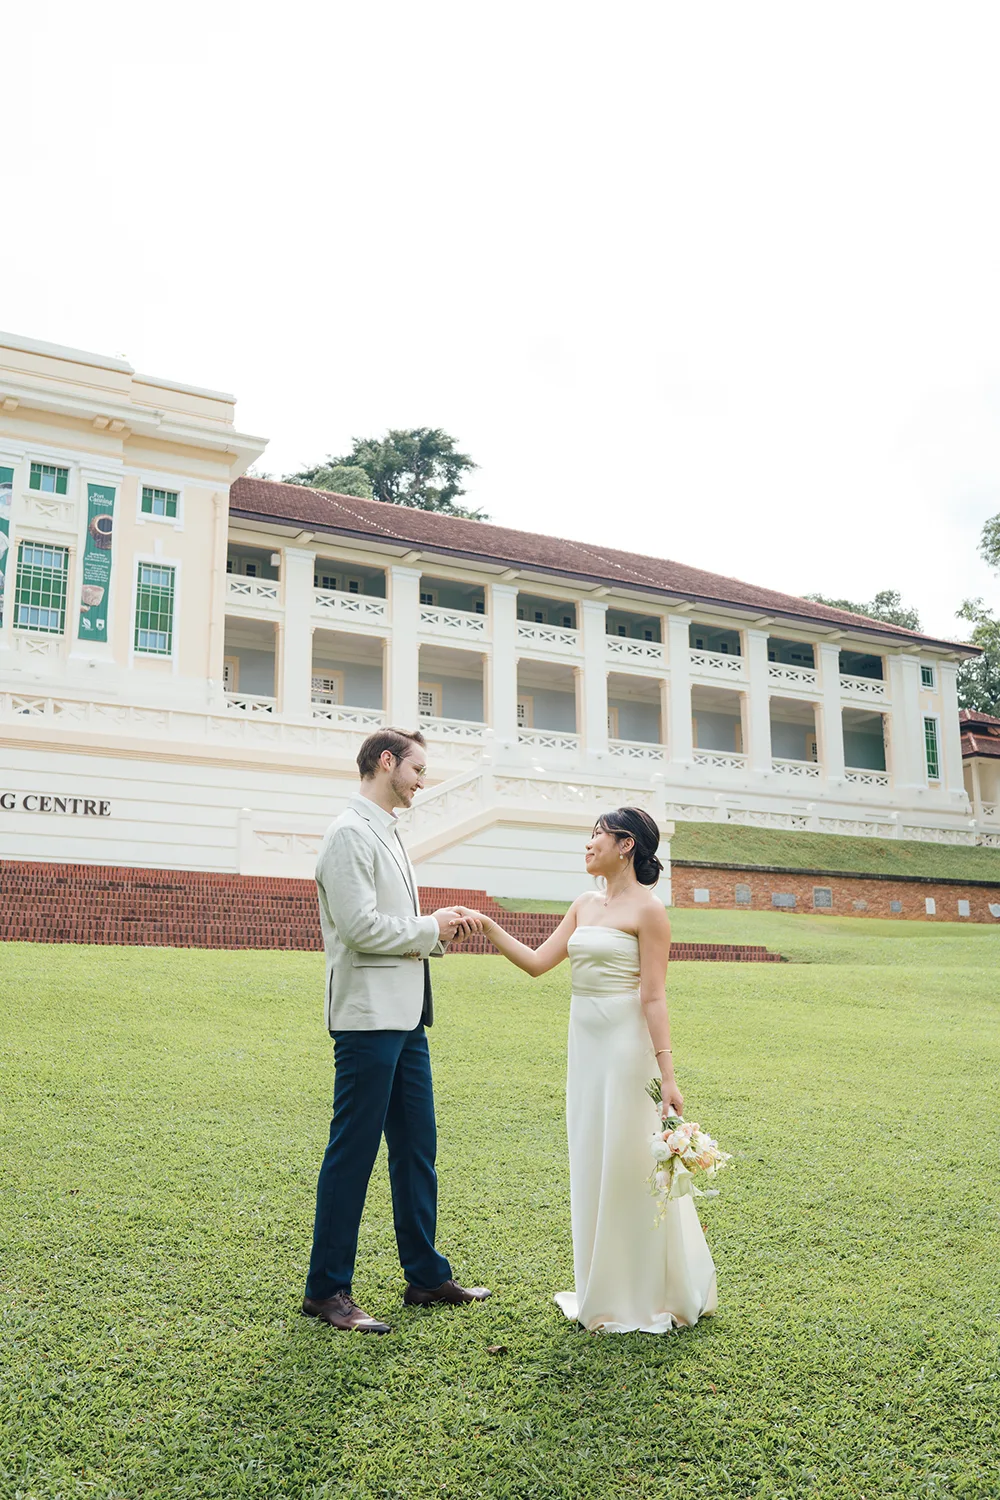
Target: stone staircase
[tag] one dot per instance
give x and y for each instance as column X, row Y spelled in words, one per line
column 48, row 903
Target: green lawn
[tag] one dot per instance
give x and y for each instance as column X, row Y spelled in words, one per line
column 729, row 843
column 163, row 1116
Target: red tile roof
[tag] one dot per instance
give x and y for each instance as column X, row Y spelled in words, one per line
column 481, row 541
column 977, row 744
column 973, row 716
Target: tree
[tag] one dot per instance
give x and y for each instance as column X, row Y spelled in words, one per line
column 418, row 467
column 345, row 479
column 887, row 605
column 979, row 680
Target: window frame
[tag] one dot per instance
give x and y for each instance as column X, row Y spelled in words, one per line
column 436, row 691
column 43, row 546
column 232, row 665
column 935, row 720
column 44, row 463
column 171, row 484
column 528, row 700
column 931, row 686
column 328, row 674
column 145, row 559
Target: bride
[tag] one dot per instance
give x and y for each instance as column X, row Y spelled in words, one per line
column 629, row 1275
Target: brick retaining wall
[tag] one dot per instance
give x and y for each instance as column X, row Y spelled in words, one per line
column 851, row 895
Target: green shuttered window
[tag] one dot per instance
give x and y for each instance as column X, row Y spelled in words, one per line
column 48, row 478
column 154, row 610
column 159, row 502
column 40, row 596
column 931, row 749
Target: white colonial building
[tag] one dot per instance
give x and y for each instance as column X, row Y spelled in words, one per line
column 190, row 659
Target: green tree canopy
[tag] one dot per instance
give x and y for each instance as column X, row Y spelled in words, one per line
column 887, row 605
column 419, row 467
column 979, row 680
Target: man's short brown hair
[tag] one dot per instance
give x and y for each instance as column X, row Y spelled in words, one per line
column 399, row 741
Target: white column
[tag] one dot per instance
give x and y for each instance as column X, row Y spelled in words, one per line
column 592, row 715
column 679, row 740
column 501, row 678
column 909, row 765
column 953, row 780
column 404, row 651
column 977, row 792
column 758, row 704
column 831, row 714
column 296, row 634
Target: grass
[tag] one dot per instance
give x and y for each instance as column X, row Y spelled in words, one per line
column 732, row 844
column 164, row 1112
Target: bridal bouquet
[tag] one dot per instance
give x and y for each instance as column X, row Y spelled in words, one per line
column 681, row 1151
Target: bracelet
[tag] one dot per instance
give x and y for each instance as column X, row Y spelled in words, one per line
column 662, row 1049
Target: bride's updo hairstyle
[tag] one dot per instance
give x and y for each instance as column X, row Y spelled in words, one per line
column 633, row 823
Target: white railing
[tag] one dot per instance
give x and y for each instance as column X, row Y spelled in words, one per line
column 808, row 769
column 799, row 677
column 552, row 740
column 867, row 778
column 989, row 810
column 642, row 651
column 453, row 622
column 716, row 663
column 938, row 835
column 250, row 703
column 855, row 828
column 548, row 637
column 363, row 607
column 348, row 718
column 255, row 591
column 637, row 750
column 452, row 729
column 863, row 687
column 720, row 760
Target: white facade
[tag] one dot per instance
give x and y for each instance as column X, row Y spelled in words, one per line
column 216, row 726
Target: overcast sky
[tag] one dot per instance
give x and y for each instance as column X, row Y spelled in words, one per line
column 717, row 283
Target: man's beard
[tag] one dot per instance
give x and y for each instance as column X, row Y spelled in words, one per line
column 402, row 792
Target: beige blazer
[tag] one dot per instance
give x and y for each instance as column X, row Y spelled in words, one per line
column 373, row 933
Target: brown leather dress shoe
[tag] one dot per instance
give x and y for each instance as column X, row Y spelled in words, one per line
column 341, row 1311
column 448, row 1291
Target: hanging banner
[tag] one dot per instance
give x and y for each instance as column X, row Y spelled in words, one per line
column 96, row 569
column 6, row 504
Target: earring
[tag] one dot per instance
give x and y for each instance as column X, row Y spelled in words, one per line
column 621, row 856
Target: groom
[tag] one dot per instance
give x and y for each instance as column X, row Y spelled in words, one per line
column 378, row 1002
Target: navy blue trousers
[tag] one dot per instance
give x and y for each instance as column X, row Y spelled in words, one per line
column 382, row 1085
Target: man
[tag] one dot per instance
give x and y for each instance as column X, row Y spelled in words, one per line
column 378, row 1003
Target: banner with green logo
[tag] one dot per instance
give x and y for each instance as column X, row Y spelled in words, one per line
column 97, row 562
column 6, row 504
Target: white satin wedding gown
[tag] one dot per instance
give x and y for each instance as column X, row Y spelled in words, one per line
column 630, row 1277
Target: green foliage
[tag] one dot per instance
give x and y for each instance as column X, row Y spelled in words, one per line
column 979, row 680
column 887, row 605
column 419, row 467
column 164, row 1115
column 344, row 479
column 989, row 542
column 728, row 843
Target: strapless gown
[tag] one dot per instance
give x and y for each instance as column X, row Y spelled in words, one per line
column 630, row 1277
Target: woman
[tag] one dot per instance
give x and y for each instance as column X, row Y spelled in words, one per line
column 629, row 1275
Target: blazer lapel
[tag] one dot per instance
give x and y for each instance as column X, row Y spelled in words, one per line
column 391, row 843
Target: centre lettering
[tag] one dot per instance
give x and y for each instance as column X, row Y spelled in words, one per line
column 85, row 807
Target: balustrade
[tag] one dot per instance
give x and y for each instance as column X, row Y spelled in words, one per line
column 636, row 750
column 720, row 760
column 349, row 718
column 863, row 687
column 647, row 652
column 555, row 740
column 559, row 638
column 716, row 664
column 258, row 592
column 452, row 729
column 365, row 608
column 250, row 703
column 808, row 770
column 461, row 623
column 867, row 778
column 790, row 676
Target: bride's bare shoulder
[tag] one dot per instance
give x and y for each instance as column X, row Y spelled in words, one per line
column 653, row 913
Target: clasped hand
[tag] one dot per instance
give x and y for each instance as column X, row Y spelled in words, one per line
column 457, row 921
